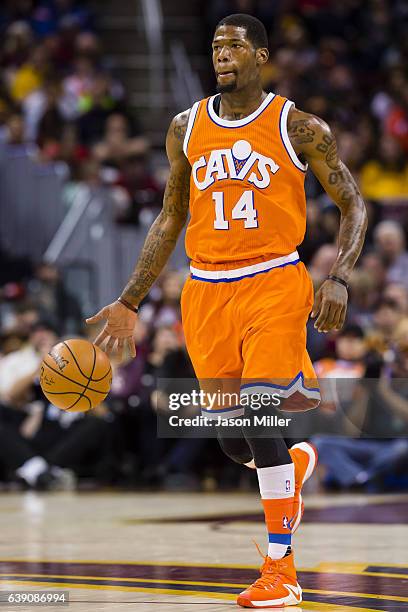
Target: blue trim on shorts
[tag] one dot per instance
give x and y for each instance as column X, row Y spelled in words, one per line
column 294, row 381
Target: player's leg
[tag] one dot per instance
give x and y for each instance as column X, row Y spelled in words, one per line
column 233, row 443
column 276, row 477
column 214, row 346
column 275, row 471
column 304, row 456
column 274, row 361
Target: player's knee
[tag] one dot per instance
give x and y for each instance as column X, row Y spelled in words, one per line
column 236, row 449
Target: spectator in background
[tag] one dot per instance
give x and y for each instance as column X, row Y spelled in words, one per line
column 364, row 294
column 318, row 345
column 46, row 111
column 19, row 462
column 393, row 383
column 172, row 364
column 140, row 420
column 396, row 120
column 72, row 152
column 6, row 108
column 373, row 263
column 15, row 128
column 379, row 409
column 89, row 44
column 19, row 319
column 73, row 48
column 387, row 315
column 349, row 358
column 47, row 447
column 22, row 365
column 322, row 262
column 398, row 293
column 337, row 374
column 47, row 292
column 52, row 120
column 316, row 235
column 96, row 105
column 79, row 83
column 330, row 220
column 145, row 194
column 10, row 341
column 127, row 377
column 389, row 241
column 15, row 49
column 117, row 144
column 163, row 305
column 31, row 75
column 386, row 176
column 44, row 440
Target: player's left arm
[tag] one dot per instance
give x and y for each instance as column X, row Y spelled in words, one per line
column 315, row 143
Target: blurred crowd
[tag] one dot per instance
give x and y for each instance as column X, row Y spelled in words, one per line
column 345, row 62
column 60, row 100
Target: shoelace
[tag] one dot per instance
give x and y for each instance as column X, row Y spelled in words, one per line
column 269, row 571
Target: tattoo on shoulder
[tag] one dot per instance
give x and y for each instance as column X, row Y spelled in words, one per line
column 301, row 131
column 180, row 125
column 313, row 131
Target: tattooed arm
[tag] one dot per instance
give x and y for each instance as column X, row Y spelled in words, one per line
column 164, row 232
column 158, row 246
column 313, row 141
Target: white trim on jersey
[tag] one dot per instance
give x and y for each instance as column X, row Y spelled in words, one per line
column 283, row 126
column 190, row 124
column 237, row 273
column 238, row 122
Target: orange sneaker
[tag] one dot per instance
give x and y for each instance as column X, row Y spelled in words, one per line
column 304, row 457
column 277, row 587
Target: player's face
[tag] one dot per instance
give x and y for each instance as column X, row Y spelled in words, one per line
column 234, row 59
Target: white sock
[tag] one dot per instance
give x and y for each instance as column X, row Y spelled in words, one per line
column 31, row 469
column 277, row 483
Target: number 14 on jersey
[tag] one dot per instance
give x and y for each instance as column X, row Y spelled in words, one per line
column 243, row 209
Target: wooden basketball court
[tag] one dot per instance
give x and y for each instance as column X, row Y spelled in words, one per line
column 195, row 551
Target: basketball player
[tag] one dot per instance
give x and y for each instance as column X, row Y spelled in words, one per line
column 237, row 162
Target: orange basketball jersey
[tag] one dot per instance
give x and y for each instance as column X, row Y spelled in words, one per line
column 247, row 198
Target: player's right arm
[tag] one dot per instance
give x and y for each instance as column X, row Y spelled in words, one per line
column 159, row 244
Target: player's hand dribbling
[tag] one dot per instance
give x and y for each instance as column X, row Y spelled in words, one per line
column 119, row 328
column 330, row 306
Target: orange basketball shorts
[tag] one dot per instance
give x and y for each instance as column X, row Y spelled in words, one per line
column 249, row 324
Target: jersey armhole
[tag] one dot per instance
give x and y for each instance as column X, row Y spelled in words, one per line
column 283, row 128
column 190, row 125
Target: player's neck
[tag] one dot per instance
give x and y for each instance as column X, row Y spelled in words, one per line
column 240, row 104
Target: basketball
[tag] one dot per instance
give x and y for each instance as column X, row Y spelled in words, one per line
column 76, row 375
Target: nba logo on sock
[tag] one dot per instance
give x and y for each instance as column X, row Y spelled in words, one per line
column 285, row 522
column 287, row 486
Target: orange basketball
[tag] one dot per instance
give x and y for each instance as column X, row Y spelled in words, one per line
column 76, row 375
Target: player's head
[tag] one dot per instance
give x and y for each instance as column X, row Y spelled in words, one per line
column 240, row 48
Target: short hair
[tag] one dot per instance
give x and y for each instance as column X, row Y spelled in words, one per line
column 255, row 29
column 388, row 225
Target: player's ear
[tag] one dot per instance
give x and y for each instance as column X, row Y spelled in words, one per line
column 262, row 56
